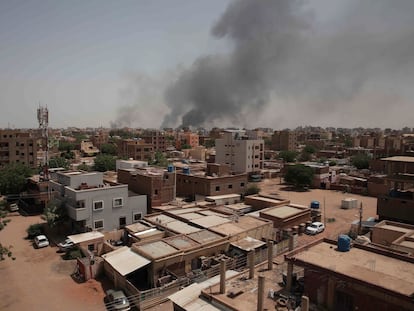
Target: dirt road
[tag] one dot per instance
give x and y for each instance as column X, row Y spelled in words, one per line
column 39, row 279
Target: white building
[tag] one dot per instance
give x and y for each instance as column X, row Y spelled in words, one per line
column 93, row 205
column 242, row 154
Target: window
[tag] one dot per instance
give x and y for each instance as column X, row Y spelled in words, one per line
column 156, row 191
column 98, row 224
column 122, row 221
column 137, row 216
column 80, row 204
column 91, row 247
column 98, row 205
column 242, row 184
column 118, row 202
column 230, row 186
column 217, row 188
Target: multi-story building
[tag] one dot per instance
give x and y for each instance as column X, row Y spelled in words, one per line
column 193, row 185
column 157, row 139
column 18, row 146
column 100, row 137
column 157, row 184
column 136, row 149
column 94, row 205
column 284, row 140
column 398, row 204
column 186, row 139
column 242, row 154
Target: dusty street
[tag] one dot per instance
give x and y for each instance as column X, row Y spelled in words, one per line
column 39, row 279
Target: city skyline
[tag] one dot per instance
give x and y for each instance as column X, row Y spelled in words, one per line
column 140, row 64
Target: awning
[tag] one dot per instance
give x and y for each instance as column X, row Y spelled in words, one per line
column 84, row 237
column 125, row 261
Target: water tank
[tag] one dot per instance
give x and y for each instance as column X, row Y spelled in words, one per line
column 170, row 168
column 344, row 243
column 314, row 204
column 186, row 170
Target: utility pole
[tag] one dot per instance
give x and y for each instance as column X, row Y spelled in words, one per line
column 360, row 219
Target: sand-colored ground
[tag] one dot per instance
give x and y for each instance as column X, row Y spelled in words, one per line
column 39, row 279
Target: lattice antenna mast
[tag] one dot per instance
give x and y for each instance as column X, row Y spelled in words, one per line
column 43, row 119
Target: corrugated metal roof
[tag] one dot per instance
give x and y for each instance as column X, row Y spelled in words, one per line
column 125, row 261
column 84, row 237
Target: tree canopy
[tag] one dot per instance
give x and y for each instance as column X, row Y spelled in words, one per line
column 104, row 162
column 299, row 175
column 109, row 149
column 160, row 159
column 54, row 213
column 13, row 178
column 288, row 155
column 4, row 250
column 59, row 162
column 360, row 161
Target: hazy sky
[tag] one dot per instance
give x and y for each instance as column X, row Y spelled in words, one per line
column 142, row 63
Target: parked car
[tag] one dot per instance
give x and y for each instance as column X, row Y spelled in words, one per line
column 13, row 207
column 116, row 300
column 66, row 245
column 41, row 241
column 315, row 228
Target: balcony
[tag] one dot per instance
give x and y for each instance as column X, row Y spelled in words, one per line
column 77, row 213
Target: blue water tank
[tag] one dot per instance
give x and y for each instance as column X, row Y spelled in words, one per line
column 170, row 168
column 314, row 204
column 344, row 243
column 186, row 170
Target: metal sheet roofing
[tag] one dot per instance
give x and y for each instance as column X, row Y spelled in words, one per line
column 84, row 237
column 248, row 244
column 125, row 261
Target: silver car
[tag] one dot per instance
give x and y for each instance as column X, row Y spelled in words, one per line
column 41, row 241
column 116, row 300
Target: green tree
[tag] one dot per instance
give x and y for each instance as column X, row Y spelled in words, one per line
column 209, row 143
column 5, row 251
column 185, row 146
column 84, row 167
column 104, row 162
column 288, row 155
column 299, row 175
column 109, row 149
column 309, row 149
column 55, row 213
column 160, row 159
column 66, row 146
column 252, row 189
column 360, row 161
column 59, row 162
column 13, row 178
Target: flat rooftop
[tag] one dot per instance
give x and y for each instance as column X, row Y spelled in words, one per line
column 210, row 221
column 221, row 197
column 181, row 227
column 156, row 250
column 282, row 212
column 399, row 159
column 361, row 264
column 181, row 242
column 204, row 236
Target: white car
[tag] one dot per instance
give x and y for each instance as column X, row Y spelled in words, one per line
column 66, row 245
column 315, row 228
column 41, row 241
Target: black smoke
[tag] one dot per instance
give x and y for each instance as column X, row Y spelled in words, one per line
column 284, row 63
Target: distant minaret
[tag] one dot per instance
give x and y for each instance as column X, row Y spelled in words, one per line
column 43, row 119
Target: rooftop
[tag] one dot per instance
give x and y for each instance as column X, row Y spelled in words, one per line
column 360, row 263
column 210, row 221
column 156, row 249
column 282, row 212
column 399, row 159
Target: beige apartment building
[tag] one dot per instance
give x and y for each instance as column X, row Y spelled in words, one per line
column 18, row 146
column 284, row 140
column 242, row 154
column 136, row 150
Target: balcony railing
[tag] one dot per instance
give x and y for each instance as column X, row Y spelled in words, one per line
column 77, row 213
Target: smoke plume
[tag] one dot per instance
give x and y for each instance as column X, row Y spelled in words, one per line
column 292, row 63
column 284, row 64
